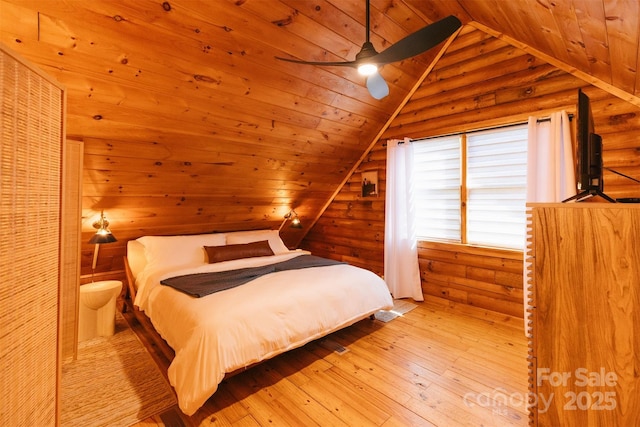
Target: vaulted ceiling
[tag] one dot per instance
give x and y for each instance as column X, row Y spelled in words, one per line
column 191, row 124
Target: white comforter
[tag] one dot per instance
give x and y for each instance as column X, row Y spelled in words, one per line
column 235, row 328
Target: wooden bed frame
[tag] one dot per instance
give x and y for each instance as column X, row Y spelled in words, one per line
column 142, row 318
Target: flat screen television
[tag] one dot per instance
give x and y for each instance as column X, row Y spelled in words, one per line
column 589, row 154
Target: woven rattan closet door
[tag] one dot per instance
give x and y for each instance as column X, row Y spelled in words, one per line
column 30, row 182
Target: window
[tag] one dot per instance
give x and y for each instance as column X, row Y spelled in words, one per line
column 471, row 188
column 437, row 172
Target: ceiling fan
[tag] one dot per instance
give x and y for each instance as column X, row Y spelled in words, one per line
column 368, row 60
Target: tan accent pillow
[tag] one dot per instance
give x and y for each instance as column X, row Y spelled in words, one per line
column 238, row 251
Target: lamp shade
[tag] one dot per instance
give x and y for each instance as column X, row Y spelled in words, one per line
column 293, row 217
column 103, row 234
column 99, row 238
column 295, row 222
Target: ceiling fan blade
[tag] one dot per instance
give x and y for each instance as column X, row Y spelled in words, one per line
column 378, row 88
column 420, row 41
column 410, row 46
column 339, row 64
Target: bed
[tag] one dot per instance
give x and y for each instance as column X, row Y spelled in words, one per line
column 235, row 328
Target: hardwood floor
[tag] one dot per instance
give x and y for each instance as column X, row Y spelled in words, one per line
column 438, row 365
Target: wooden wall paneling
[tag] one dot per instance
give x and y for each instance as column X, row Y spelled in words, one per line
column 590, row 18
column 484, row 277
column 71, row 244
column 623, row 32
column 352, row 227
column 197, row 159
column 125, row 183
column 298, row 23
column 600, row 81
column 568, row 35
column 205, row 42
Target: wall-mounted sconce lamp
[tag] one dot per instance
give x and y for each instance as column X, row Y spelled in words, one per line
column 103, row 235
column 295, row 221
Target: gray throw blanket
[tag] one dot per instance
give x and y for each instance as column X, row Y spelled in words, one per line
column 202, row 284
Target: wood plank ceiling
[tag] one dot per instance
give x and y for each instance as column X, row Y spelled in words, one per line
column 191, row 125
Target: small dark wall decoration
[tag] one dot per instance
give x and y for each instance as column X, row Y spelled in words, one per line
column 370, row 183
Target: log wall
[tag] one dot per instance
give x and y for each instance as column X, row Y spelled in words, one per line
column 480, row 82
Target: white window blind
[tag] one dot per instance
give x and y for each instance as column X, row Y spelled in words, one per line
column 437, row 185
column 496, row 187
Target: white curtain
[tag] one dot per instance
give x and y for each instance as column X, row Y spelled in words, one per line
column 401, row 269
column 550, row 167
column 550, row 164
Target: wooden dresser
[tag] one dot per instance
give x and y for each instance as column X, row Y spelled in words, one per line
column 583, row 314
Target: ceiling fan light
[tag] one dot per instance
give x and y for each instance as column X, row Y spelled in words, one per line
column 367, row 69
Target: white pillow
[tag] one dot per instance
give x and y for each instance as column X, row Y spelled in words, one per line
column 173, row 251
column 273, row 236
